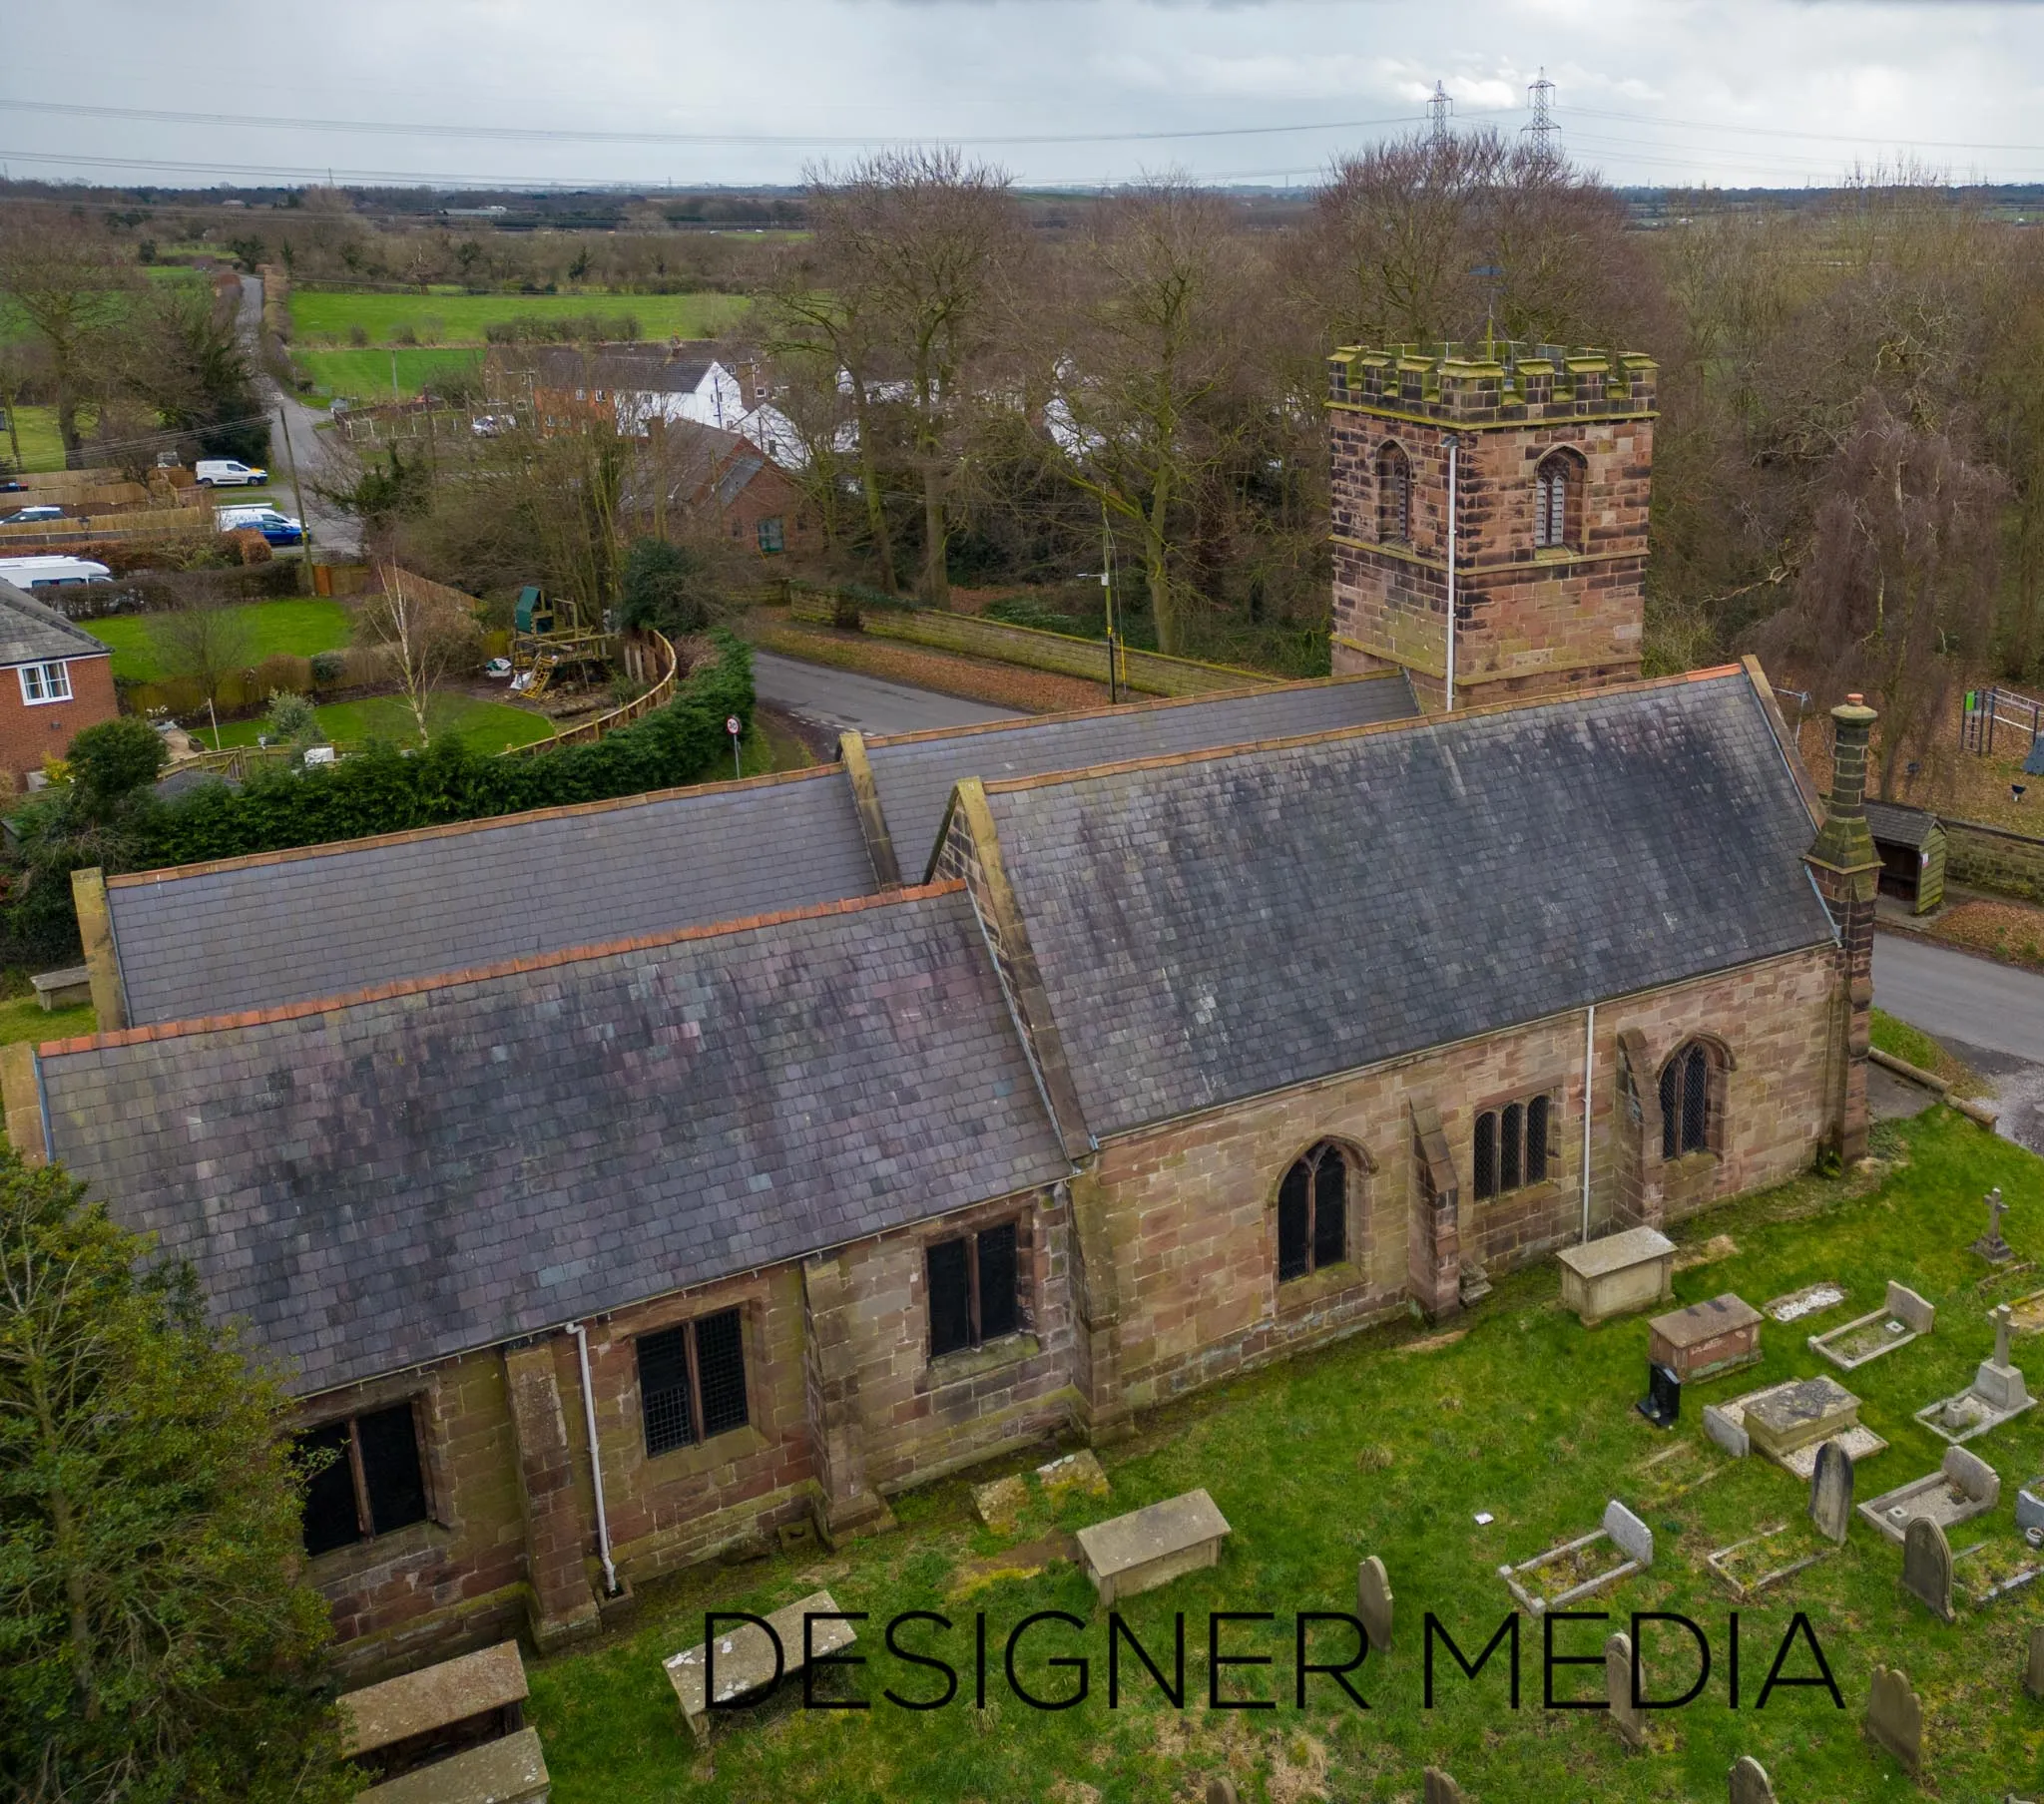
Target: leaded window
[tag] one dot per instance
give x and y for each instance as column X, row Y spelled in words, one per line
column 974, row 1288
column 1510, row 1148
column 369, row 1477
column 1313, row 1212
column 1686, row 1124
column 692, row 1381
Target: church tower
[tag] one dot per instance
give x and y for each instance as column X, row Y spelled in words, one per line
column 1506, row 484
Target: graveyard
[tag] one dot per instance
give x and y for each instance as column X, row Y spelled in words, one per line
column 1448, row 1453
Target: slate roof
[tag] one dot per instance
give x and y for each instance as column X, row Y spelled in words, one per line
column 399, row 1178
column 254, row 933
column 32, row 631
column 1899, row 825
column 638, row 367
column 916, row 772
column 1221, row 927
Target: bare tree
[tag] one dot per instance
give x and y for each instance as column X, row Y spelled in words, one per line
column 1896, row 597
column 1151, row 313
column 204, row 645
column 75, row 287
column 427, row 633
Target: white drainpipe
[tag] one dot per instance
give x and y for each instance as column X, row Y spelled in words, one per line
column 603, row 1526
column 1449, row 705
column 1589, row 1075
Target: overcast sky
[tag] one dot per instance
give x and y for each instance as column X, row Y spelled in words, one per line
column 1730, row 92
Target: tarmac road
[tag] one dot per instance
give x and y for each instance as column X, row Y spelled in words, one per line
column 333, row 530
column 1989, row 1015
column 845, row 701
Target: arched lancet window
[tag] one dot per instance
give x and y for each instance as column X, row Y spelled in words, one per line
column 1394, row 496
column 1557, row 501
column 1687, row 1106
column 1511, row 1146
column 1313, row 1212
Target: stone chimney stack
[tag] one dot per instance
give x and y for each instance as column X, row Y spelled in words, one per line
column 1847, row 871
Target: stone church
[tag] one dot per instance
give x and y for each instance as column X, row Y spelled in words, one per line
column 619, row 1182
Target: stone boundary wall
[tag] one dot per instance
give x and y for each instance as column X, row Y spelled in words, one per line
column 1993, row 858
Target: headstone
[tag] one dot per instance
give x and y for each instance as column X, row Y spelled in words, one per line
column 1626, row 1718
column 1728, row 1430
column 1222, row 1791
column 1440, row 1789
column 2000, row 1383
column 1991, row 1246
column 1910, row 1309
column 2030, row 1505
column 1374, row 1603
column 1749, row 1782
column 1972, row 1474
column 1830, row 1493
column 1927, row 1567
column 1894, row 1717
column 1662, row 1404
column 1632, row 1537
column 2033, row 1675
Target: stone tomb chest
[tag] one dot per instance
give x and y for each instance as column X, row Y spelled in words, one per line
column 1796, row 1415
column 1148, row 1547
column 1706, row 1338
column 1617, row 1274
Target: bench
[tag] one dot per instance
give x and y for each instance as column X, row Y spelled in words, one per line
column 439, row 1721
column 1150, row 1547
column 1617, row 1274
column 746, row 1661
column 70, row 988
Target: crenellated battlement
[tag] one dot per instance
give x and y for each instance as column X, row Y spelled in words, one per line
column 1499, row 382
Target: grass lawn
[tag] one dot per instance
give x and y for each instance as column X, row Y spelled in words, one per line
column 22, row 1017
column 487, row 725
column 1390, row 1444
column 299, row 628
column 1914, row 1047
column 458, row 318
column 365, row 375
column 36, row 428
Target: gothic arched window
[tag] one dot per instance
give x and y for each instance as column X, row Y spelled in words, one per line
column 1558, row 501
column 1688, row 1109
column 1313, row 1212
column 1394, row 496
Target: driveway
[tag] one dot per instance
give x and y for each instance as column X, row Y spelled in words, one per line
column 333, row 530
column 1989, row 1015
column 846, row 700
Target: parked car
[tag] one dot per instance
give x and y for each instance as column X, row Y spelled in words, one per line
column 278, row 527
column 229, row 473
column 29, row 515
column 52, row 572
column 10, row 486
column 491, row 425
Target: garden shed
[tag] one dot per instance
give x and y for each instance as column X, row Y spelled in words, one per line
column 1911, row 848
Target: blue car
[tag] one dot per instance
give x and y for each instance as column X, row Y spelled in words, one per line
column 279, row 528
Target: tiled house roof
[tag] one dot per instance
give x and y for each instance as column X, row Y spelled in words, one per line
column 1900, row 826
column 916, row 772
column 379, row 1182
column 254, row 933
column 1219, row 927
column 32, row 631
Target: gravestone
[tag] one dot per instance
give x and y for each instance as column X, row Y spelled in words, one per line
column 1374, row 1603
column 1662, row 1404
column 1996, row 1379
column 1222, row 1791
column 1831, row 1492
column 1991, row 1246
column 1440, row 1789
column 1626, row 1718
column 1894, row 1717
column 1927, row 1567
column 2033, row 1675
column 1749, row 1782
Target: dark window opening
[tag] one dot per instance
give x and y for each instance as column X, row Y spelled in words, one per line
column 1686, row 1103
column 773, row 535
column 975, row 1288
column 372, row 1481
column 1313, row 1214
column 1556, row 496
column 1394, row 496
column 692, row 1381
column 1511, row 1146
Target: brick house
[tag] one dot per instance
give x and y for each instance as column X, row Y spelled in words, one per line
column 981, row 1087
column 726, row 482
column 58, row 680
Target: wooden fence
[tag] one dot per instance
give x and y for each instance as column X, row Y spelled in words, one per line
column 662, row 693
column 145, row 523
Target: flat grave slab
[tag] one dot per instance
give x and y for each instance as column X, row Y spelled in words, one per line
column 745, row 1658
column 512, row 1770
column 1673, row 1472
column 2026, row 1314
column 1079, row 1472
column 1617, row 1274
column 1705, row 1339
column 1150, row 1547
column 434, row 1697
column 1963, row 1487
column 1725, row 1424
column 1811, row 1300
column 1581, row 1568
column 1988, row 1571
column 1760, row 1561
column 1798, row 1414
column 1902, row 1317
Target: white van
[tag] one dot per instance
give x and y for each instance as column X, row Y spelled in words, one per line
column 52, row 572
column 228, row 472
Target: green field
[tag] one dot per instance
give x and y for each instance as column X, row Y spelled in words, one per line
column 1390, row 1442
column 365, row 375
column 298, row 628
column 36, row 429
column 327, row 314
column 487, row 725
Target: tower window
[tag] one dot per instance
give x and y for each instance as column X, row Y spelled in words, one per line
column 1557, row 502
column 1394, row 496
